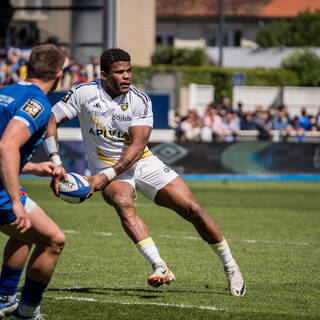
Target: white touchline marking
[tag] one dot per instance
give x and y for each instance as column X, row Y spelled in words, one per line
column 138, row 303
column 110, row 234
column 241, row 240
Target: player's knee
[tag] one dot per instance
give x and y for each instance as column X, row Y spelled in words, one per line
column 194, row 211
column 57, row 243
column 122, row 202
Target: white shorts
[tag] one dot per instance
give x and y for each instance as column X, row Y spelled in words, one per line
column 149, row 175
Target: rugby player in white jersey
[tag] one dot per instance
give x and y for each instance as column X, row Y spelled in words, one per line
column 116, row 121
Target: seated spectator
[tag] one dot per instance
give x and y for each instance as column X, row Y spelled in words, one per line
column 247, row 122
column 280, row 122
column 191, row 126
column 175, row 123
column 313, row 124
column 304, row 120
column 296, row 129
column 263, row 123
column 318, row 120
column 231, row 126
column 212, row 124
column 93, row 69
column 206, row 131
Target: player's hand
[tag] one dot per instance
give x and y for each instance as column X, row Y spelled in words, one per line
column 23, row 222
column 59, row 174
column 98, row 182
column 46, row 169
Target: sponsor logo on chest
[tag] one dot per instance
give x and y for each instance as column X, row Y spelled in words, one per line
column 121, row 117
column 5, row 100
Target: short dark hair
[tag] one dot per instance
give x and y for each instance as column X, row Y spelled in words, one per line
column 45, row 62
column 110, row 56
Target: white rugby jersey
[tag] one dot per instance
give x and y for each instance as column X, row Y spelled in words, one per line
column 104, row 121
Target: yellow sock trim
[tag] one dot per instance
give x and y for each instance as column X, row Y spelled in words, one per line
column 219, row 246
column 144, row 242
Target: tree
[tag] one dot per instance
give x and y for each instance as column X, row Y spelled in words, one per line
column 306, row 64
column 303, row 30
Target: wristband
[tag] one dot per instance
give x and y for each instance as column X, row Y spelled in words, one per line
column 49, row 145
column 56, row 160
column 110, row 173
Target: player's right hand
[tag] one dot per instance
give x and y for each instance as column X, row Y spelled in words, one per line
column 23, row 222
column 98, row 182
column 58, row 174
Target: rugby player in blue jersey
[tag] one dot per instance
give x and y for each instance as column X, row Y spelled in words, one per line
column 24, row 113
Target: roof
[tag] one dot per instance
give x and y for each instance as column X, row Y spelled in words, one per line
column 233, row 8
column 289, row 8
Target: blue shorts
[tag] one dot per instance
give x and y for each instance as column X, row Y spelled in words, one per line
column 6, row 214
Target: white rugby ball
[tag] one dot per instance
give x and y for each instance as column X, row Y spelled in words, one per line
column 75, row 190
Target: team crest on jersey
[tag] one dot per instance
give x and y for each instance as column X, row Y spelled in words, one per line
column 66, row 97
column 33, row 108
column 124, row 106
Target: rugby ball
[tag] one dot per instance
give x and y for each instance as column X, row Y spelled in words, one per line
column 75, row 190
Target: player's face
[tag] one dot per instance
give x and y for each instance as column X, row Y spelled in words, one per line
column 56, row 82
column 118, row 79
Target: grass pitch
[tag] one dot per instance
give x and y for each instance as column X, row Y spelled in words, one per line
column 272, row 229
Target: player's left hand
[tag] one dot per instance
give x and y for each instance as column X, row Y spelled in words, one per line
column 98, row 182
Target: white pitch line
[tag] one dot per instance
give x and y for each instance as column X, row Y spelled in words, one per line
column 241, row 240
column 110, row 234
column 210, row 308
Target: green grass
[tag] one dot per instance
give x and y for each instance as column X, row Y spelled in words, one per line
column 273, row 230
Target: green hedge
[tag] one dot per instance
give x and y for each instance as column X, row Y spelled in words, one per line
column 220, row 78
column 179, row 56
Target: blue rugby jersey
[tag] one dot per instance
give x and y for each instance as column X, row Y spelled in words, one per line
column 27, row 103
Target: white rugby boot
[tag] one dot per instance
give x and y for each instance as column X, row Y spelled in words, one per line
column 18, row 314
column 237, row 286
column 6, row 307
column 161, row 274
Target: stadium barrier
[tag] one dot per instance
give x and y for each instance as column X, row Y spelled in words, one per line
column 249, row 157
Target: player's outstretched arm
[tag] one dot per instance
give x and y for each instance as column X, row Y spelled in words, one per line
column 51, row 146
column 42, row 169
column 139, row 138
column 15, row 136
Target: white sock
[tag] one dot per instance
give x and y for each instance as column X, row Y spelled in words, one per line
column 28, row 310
column 222, row 250
column 149, row 250
column 7, row 299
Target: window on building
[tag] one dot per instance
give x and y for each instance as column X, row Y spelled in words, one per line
column 237, row 38
column 167, row 40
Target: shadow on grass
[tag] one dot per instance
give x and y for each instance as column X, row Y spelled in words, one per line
column 141, row 293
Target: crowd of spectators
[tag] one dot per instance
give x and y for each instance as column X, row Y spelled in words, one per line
column 13, row 68
column 224, row 123
column 220, row 122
